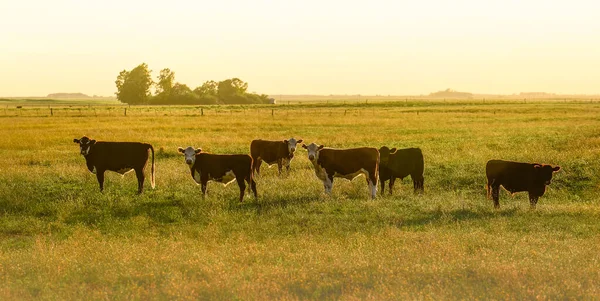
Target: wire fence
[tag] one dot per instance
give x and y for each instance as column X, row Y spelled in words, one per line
column 353, row 108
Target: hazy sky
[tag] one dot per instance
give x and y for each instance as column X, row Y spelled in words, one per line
column 304, row 47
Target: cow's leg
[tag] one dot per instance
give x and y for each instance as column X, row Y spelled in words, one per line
column 203, row 184
column 392, row 181
column 496, row 196
column 139, row 173
column 533, row 199
column 279, row 165
column 421, row 184
column 256, row 166
column 382, row 186
column 242, row 186
column 252, row 186
column 100, row 177
column 417, row 183
column 372, row 187
column 328, row 184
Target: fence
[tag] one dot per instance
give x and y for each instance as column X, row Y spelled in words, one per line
column 316, row 108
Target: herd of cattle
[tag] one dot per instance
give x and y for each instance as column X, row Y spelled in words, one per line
column 383, row 164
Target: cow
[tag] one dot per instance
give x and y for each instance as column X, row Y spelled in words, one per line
column 344, row 163
column 272, row 152
column 400, row 163
column 516, row 177
column 120, row 157
column 225, row 169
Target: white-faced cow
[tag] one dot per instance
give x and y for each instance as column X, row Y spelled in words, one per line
column 344, row 163
column 517, row 177
column 399, row 164
column 273, row 152
column 120, row 157
column 225, row 169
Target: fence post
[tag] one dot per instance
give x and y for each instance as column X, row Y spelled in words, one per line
column 272, row 112
column 125, row 113
column 345, row 112
column 201, row 112
column 51, row 114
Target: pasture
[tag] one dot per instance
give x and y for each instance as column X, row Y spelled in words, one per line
column 60, row 238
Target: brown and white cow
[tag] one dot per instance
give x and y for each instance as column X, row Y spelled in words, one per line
column 399, row 163
column 225, row 169
column 120, row 157
column 344, row 163
column 517, row 177
column 273, row 152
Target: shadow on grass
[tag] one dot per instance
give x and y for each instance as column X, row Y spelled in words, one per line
column 436, row 217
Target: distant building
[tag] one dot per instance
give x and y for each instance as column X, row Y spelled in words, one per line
column 449, row 93
column 272, row 100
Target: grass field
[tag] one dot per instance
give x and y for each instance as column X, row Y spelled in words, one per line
column 60, row 238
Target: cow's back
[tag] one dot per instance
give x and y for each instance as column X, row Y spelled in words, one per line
column 404, row 162
column 268, row 151
column 514, row 176
column 116, row 155
column 215, row 163
column 346, row 161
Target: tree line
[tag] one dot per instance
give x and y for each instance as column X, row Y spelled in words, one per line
column 133, row 87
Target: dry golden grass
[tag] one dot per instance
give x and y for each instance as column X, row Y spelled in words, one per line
column 62, row 239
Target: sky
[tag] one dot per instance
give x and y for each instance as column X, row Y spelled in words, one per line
column 373, row 47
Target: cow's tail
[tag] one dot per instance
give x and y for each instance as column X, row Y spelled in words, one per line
column 152, row 176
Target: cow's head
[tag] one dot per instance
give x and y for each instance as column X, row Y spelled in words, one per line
column 85, row 144
column 291, row 145
column 384, row 154
column 190, row 154
column 545, row 172
column 313, row 151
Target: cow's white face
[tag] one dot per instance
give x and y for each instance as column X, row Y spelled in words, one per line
column 85, row 144
column 190, row 154
column 313, row 151
column 291, row 144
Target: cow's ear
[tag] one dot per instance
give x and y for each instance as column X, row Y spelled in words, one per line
column 180, row 149
column 92, row 142
column 285, row 141
column 321, row 146
column 393, row 150
column 537, row 166
column 556, row 168
column 299, row 141
column 304, row 146
column 198, row 150
column 76, row 140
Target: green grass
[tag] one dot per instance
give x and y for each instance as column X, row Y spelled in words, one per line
column 60, row 238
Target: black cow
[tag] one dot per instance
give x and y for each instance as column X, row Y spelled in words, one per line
column 121, row 157
column 400, row 164
column 225, row 169
column 516, row 177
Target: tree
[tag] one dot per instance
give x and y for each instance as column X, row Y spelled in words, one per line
column 165, row 81
column 207, row 88
column 181, row 89
column 133, row 87
column 230, row 89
